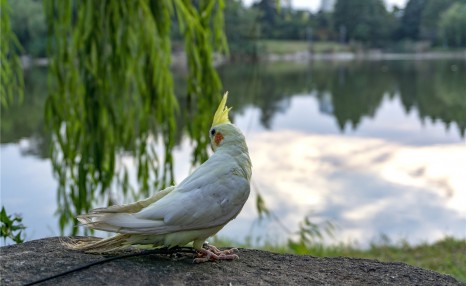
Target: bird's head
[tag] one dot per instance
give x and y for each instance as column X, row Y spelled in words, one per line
column 223, row 132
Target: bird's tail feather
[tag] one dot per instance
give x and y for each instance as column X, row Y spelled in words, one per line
column 98, row 245
column 122, row 223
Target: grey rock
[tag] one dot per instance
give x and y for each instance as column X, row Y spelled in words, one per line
column 37, row 259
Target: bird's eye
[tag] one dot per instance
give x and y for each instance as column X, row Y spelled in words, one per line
column 212, row 132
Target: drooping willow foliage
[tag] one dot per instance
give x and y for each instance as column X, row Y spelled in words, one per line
column 113, row 92
column 11, row 73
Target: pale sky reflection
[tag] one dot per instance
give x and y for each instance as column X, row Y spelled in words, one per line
column 368, row 187
column 365, row 186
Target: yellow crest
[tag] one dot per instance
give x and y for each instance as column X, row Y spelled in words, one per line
column 221, row 115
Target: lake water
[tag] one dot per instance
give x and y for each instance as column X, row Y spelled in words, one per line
column 377, row 148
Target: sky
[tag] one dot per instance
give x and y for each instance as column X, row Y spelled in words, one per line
column 314, row 5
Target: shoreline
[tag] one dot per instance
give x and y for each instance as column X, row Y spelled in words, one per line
column 365, row 56
column 179, row 58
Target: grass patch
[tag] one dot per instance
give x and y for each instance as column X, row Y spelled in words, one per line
column 446, row 256
column 282, row 47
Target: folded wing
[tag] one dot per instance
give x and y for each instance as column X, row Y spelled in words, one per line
column 211, row 198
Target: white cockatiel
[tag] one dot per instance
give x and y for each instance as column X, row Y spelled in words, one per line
column 197, row 208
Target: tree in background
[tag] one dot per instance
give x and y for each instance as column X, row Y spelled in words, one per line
column 268, row 15
column 281, row 22
column 452, row 25
column 430, row 16
column 323, row 26
column 411, row 19
column 28, row 23
column 241, row 29
column 293, row 24
column 365, row 21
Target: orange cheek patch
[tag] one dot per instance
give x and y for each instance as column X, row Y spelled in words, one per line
column 218, row 138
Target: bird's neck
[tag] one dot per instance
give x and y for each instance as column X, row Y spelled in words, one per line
column 239, row 152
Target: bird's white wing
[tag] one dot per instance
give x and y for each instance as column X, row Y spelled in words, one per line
column 211, row 196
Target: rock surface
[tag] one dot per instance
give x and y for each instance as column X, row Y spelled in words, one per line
column 34, row 260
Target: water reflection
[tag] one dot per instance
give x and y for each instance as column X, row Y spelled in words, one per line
column 367, row 186
column 351, row 91
column 339, row 139
column 27, row 120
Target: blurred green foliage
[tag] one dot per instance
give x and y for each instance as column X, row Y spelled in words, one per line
column 11, row 227
column 114, row 94
column 310, row 234
column 11, row 73
column 452, row 25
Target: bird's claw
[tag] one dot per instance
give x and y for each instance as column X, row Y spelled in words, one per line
column 212, row 253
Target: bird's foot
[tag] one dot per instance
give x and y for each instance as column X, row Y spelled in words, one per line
column 212, row 253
